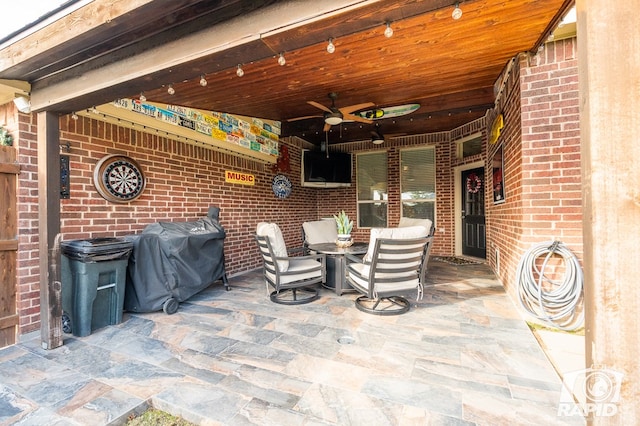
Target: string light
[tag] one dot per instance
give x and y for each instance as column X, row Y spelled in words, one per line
column 281, row 59
column 171, row 90
column 457, row 12
column 388, row 32
column 331, row 47
column 74, row 115
column 142, row 98
column 203, row 81
column 240, row 71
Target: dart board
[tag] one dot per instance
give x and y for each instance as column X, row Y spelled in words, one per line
column 118, row 178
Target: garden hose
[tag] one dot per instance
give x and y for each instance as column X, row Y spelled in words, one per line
column 553, row 302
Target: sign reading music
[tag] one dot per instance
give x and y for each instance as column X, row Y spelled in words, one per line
column 236, row 177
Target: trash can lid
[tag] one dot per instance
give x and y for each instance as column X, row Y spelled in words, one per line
column 96, row 246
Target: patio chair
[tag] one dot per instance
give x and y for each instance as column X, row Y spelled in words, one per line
column 319, row 231
column 295, row 279
column 393, row 267
column 427, row 223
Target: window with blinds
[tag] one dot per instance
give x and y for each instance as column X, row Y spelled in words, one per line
column 418, row 183
column 371, row 181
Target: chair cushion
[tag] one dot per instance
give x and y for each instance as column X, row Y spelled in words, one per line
column 408, row 221
column 404, row 233
column 302, row 269
column 320, row 231
column 272, row 231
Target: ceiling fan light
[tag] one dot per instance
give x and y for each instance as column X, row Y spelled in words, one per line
column 331, row 47
column 333, row 119
column 457, row 12
column 377, row 141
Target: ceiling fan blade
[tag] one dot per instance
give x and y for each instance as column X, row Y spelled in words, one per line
column 351, row 117
column 304, row 118
column 318, row 105
column 357, row 107
column 326, row 127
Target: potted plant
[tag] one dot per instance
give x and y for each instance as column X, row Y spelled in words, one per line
column 344, row 229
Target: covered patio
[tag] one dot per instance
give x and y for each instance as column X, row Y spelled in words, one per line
column 463, row 355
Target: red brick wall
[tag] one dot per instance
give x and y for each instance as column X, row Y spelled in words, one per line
column 183, row 180
column 541, row 142
column 331, row 201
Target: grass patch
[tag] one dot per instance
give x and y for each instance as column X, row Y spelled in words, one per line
column 535, row 326
column 153, row 417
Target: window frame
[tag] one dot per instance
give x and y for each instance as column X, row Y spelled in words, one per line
column 434, row 201
column 384, row 200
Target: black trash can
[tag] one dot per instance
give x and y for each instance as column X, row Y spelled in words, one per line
column 94, row 274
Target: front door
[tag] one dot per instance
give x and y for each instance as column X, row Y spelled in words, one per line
column 473, row 227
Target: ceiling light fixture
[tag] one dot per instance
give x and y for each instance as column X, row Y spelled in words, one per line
column 239, row 71
column 388, row 32
column 457, row 12
column 142, row 98
column 333, row 118
column 22, row 103
column 331, row 47
column 281, row 60
column 171, row 90
column 377, row 137
column 203, row 81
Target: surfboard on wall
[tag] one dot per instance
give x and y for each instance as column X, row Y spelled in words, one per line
column 388, row 112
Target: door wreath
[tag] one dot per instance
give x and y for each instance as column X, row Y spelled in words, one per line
column 474, row 183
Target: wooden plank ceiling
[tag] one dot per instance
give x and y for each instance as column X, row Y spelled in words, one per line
column 447, row 66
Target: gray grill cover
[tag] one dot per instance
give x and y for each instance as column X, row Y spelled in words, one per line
column 174, row 260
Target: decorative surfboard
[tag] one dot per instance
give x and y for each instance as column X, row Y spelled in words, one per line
column 388, row 112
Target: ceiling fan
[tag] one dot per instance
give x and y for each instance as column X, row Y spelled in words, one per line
column 334, row 115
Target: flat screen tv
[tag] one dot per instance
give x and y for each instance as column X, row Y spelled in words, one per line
column 320, row 171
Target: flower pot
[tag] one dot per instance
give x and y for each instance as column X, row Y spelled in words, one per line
column 344, row 240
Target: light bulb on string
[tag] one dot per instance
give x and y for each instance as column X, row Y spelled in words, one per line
column 171, row 90
column 388, row 32
column 281, row 59
column 239, row 71
column 457, row 12
column 142, row 97
column 203, row 81
column 74, row 116
column 331, row 47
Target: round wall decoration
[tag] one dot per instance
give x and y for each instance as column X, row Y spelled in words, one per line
column 118, row 178
column 281, row 186
column 474, row 183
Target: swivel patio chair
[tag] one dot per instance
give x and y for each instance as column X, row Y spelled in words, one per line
column 295, row 279
column 393, row 267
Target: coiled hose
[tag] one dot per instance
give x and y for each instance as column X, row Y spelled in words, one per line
column 553, row 302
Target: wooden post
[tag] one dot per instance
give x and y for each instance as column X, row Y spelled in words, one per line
column 608, row 64
column 49, row 220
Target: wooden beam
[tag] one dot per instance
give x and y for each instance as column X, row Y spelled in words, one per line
column 98, row 15
column 609, row 128
column 49, row 219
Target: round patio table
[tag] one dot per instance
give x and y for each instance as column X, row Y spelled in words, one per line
column 336, row 263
